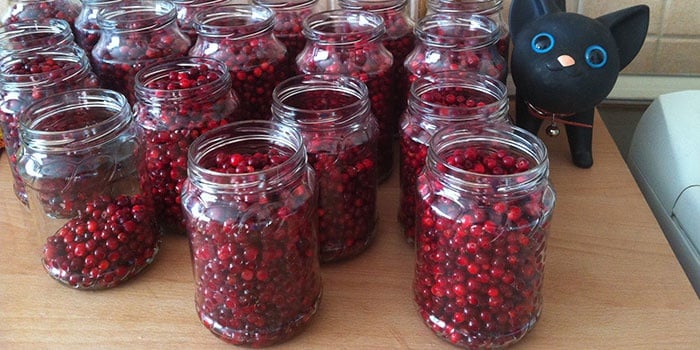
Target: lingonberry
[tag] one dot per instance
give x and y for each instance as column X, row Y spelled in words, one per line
column 28, row 76
column 437, row 100
column 177, row 101
column 134, row 35
column 456, row 42
column 289, row 18
column 249, row 203
column 340, row 134
column 21, row 10
column 43, row 34
column 349, row 42
column 480, row 261
column 242, row 37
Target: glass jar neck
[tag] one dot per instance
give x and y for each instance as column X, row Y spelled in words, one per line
column 246, row 137
column 490, row 138
column 52, row 124
column 344, row 27
column 234, row 22
column 376, row 6
column 482, row 7
column 457, row 31
column 33, row 34
column 73, row 67
column 286, row 5
column 138, row 16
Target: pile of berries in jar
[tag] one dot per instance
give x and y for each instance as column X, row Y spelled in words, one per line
column 437, row 100
column 485, row 205
column 177, row 101
column 249, row 203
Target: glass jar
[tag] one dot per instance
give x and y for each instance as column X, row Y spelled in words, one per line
column 398, row 39
column 484, row 210
column 35, row 34
column 135, row 34
column 438, row 100
column 29, row 76
column 242, row 37
column 456, row 42
column 490, row 8
column 177, row 101
column 249, row 202
column 187, row 9
column 87, row 32
column 340, row 134
column 289, row 22
column 349, row 42
column 79, row 159
column 21, row 10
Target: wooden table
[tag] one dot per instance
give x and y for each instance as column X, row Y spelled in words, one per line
column 611, row 282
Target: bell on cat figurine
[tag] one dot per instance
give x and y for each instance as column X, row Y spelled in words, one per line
column 564, row 64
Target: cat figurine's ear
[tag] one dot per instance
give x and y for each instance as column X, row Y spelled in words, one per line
column 629, row 28
column 525, row 11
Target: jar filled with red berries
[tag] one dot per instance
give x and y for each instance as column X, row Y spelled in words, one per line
column 483, row 215
column 349, row 42
column 340, row 134
column 177, row 101
column 80, row 159
column 187, row 9
column 289, row 22
column 21, row 10
column 133, row 35
column 438, row 100
column 249, row 201
column 87, row 32
column 27, row 76
column 242, row 37
column 398, row 39
column 456, row 41
column 490, row 8
column 35, row 34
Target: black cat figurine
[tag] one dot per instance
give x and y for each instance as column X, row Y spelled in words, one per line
column 564, row 64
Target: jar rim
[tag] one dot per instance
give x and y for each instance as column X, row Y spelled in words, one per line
column 481, row 7
column 158, row 71
column 134, row 16
column 254, row 20
column 44, row 26
column 72, row 54
column 373, row 5
column 425, row 30
column 285, row 5
column 368, row 26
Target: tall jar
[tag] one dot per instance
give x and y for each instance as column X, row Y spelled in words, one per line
column 79, row 159
column 490, row 8
column 87, row 31
column 349, row 42
column 21, row 10
column 249, row 201
column 456, row 42
column 27, row 76
column 134, row 35
column 187, row 9
column 35, row 34
column 484, row 210
column 242, row 37
column 340, row 134
column 438, row 100
column 177, row 101
column 289, row 22
column 398, row 39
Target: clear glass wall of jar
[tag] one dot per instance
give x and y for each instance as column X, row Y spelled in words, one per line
column 399, row 40
column 349, row 42
column 29, row 76
column 133, row 35
column 177, row 101
column 289, row 22
column 438, row 100
column 80, row 159
column 456, row 42
column 250, row 201
column 35, row 34
column 87, row 32
column 242, row 37
column 21, row 10
column 187, row 9
column 490, row 8
column 340, row 134
column 484, row 209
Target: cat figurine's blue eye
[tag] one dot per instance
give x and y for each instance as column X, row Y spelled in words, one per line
column 596, row 56
column 542, row 42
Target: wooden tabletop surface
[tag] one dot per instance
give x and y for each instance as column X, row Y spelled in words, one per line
column 611, row 281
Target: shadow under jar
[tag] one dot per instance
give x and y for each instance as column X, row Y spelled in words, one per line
column 242, row 37
column 349, row 42
column 340, row 134
column 134, row 35
column 484, row 210
column 28, row 76
column 35, row 34
column 438, row 100
column 80, row 160
column 177, row 101
column 249, row 201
